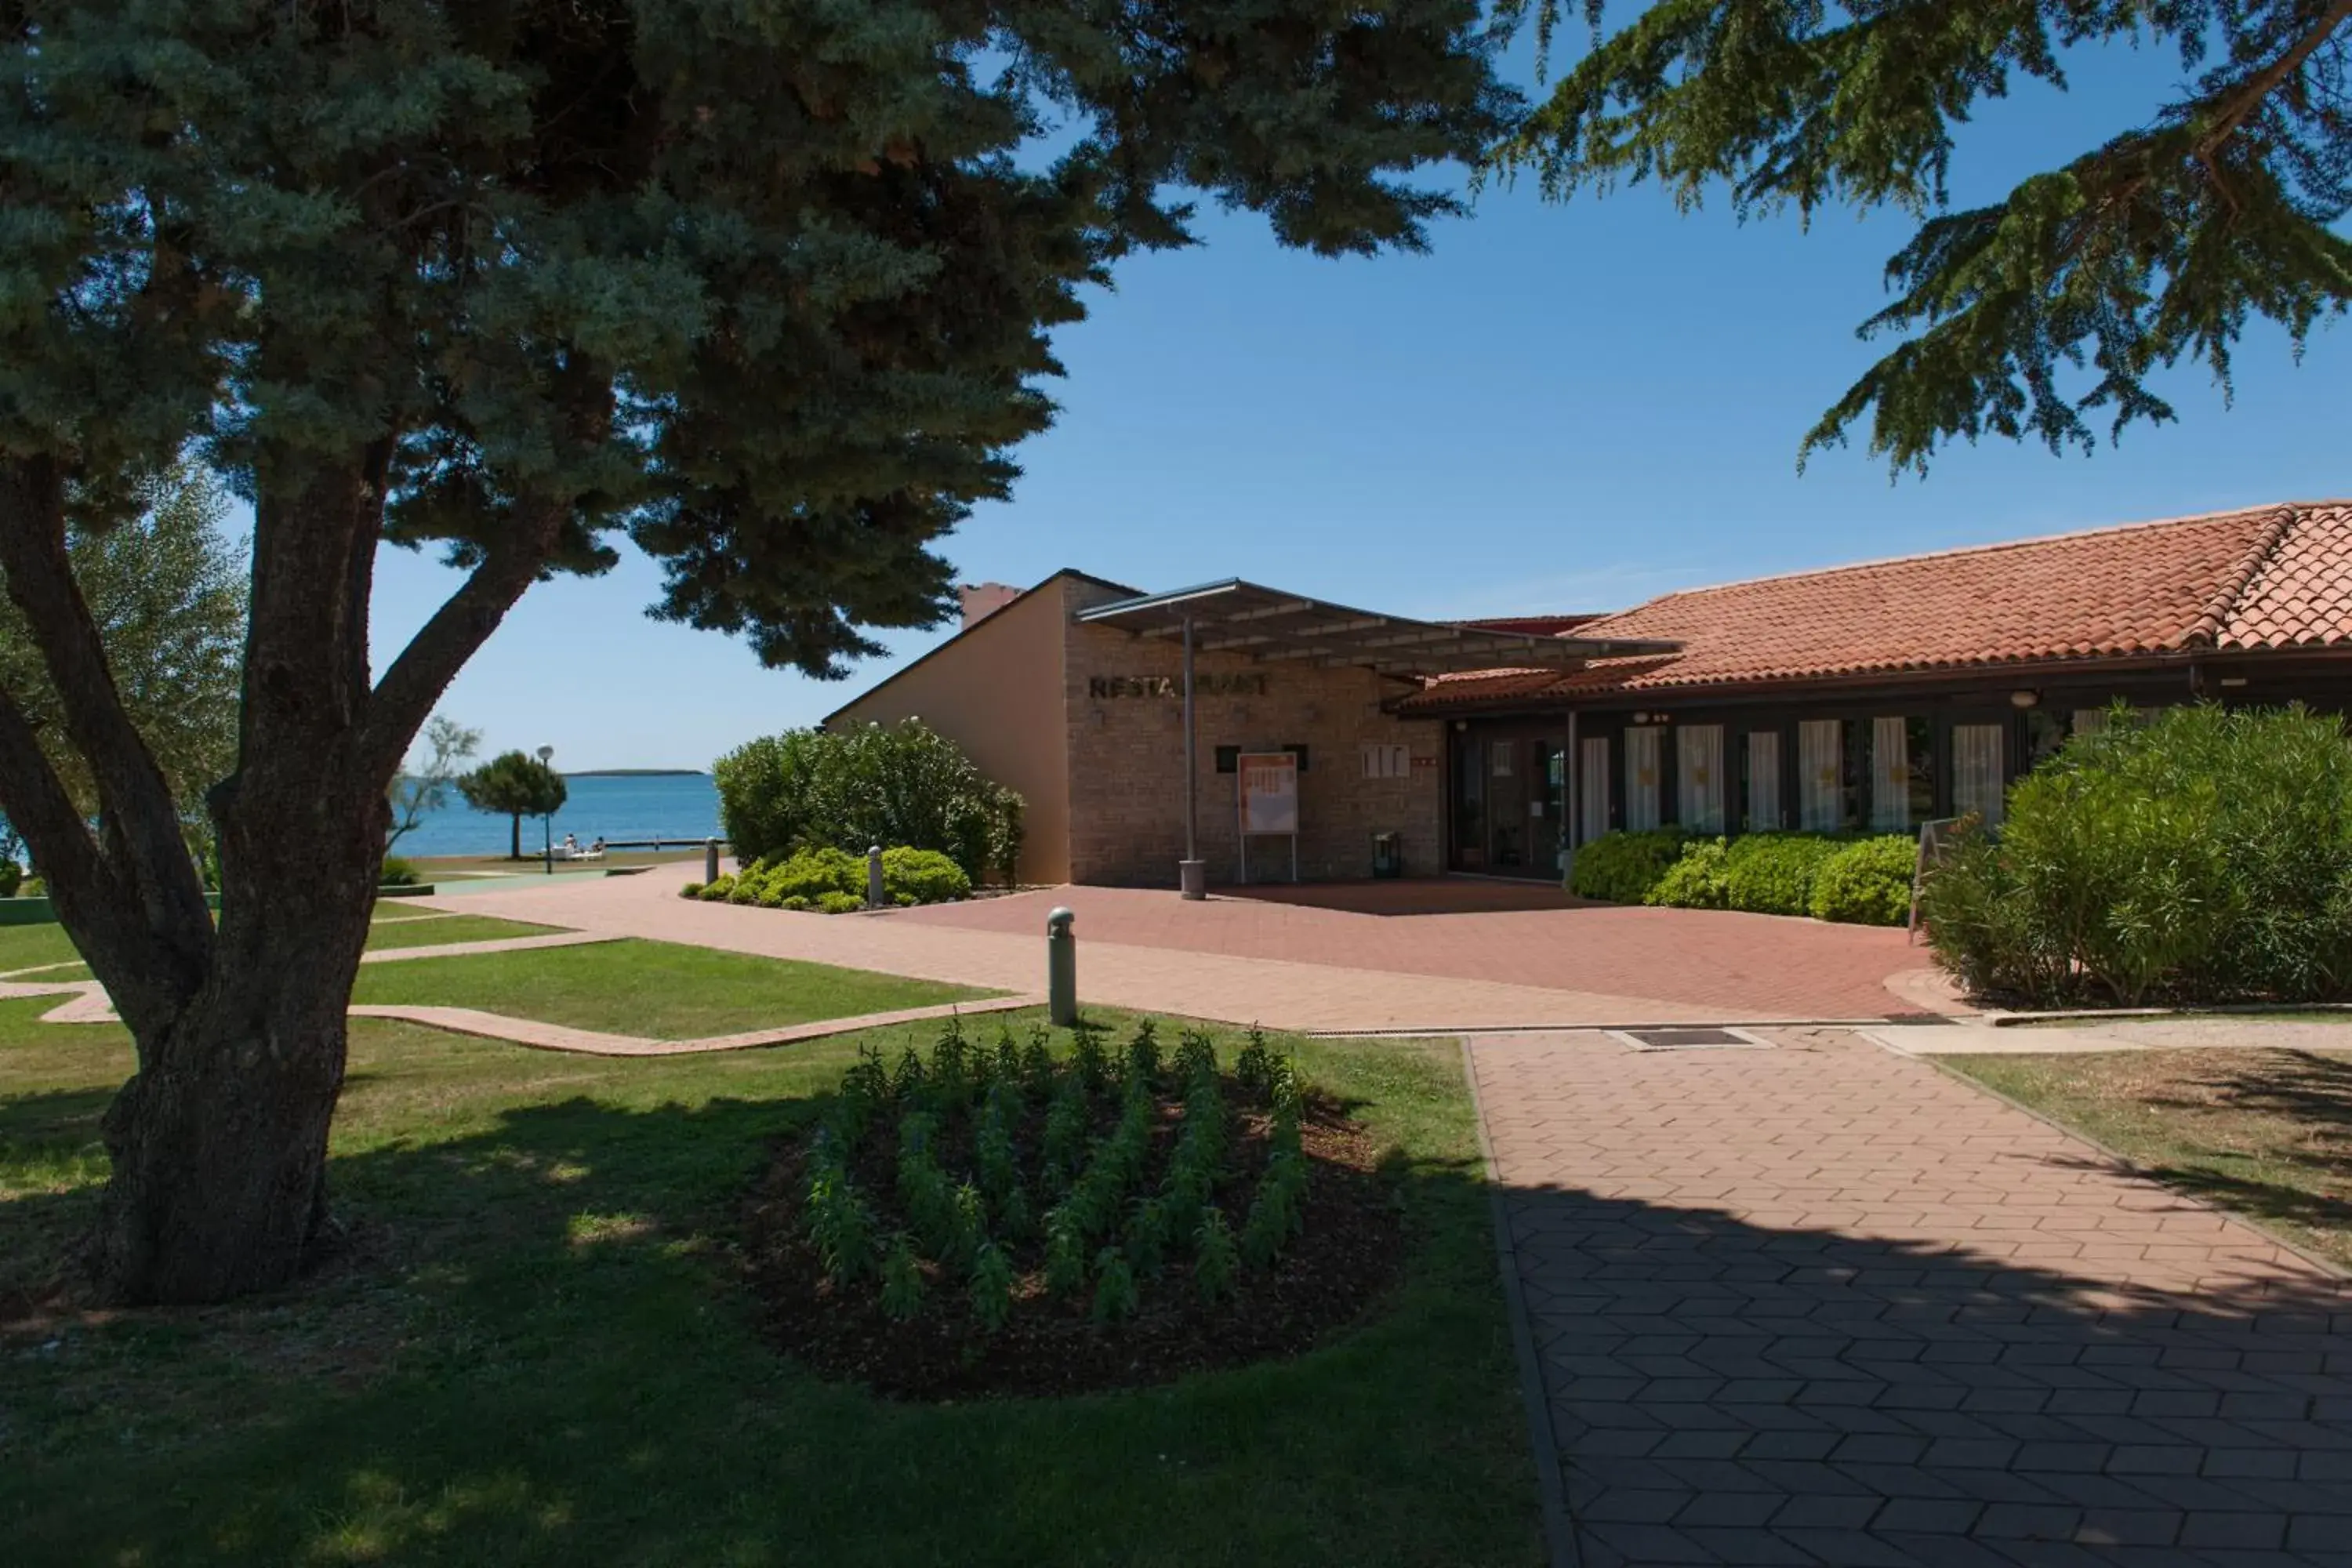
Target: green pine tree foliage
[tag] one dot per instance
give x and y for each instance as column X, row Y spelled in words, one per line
column 765, row 287
column 2028, row 317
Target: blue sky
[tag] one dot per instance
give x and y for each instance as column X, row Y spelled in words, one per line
column 1557, row 408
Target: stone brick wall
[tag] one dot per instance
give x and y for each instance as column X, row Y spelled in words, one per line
column 1127, row 760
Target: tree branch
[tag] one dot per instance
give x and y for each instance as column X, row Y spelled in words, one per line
column 144, row 976
column 405, row 697
column 2249, row 94
column 132, row 793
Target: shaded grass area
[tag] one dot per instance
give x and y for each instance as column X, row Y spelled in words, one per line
column 540, row 1352
column 2267, row 1133
column 663, row 991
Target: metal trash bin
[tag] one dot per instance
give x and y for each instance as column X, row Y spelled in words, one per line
column 1387, row 854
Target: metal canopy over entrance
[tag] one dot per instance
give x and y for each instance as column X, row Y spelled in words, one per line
column 1266, row 624
column 1270, row 625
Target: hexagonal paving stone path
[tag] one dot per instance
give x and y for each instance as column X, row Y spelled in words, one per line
column 1821, row 1303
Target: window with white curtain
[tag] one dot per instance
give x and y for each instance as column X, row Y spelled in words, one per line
column 1821, row 799
column 1592, row 789
column 1698, row 777
column 1642, row 753
column 1763, row 780
column 1890, row 776
column 1977, row 775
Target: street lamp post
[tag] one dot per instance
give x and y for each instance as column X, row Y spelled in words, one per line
column 547, row 819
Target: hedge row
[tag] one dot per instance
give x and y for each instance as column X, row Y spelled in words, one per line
column 833, row 883
column 1831, row 877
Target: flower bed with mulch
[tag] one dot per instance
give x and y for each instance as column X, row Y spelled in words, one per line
column 1011, row 1218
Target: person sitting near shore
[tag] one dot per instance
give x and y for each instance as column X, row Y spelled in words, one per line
column 570, row 848
column 598, row 846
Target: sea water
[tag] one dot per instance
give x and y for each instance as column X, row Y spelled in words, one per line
column 606, row 805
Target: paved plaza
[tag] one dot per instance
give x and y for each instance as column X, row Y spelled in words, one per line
column 1440, row 955
column 1821, row 1303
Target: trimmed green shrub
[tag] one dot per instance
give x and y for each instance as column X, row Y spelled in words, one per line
column 839, row 904
column 911, row 876
column 1772, row 873
column 844, row 790
column 396, row 873
column 1698, row 880
column 2202, row 855
column 795, row 903
column 813, row 873
column 1622, row 868
column 716, row 892
column 691, row 890
column 12, row 877
column 1867, row 882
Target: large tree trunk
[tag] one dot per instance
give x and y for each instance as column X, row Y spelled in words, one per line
column 219, row 1143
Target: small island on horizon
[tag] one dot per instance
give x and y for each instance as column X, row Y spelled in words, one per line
column 634, row 773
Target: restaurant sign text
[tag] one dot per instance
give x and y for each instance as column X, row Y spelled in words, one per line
column 1104, row 687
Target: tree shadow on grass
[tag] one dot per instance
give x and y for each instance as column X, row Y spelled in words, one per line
column 1724, row 1391
column 539, row 1350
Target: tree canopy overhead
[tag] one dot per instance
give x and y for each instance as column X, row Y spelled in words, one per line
column 762, row 284
column 2224, row 204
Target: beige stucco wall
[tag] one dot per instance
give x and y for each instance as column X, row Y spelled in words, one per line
column 995, row 690
column 1126, row 748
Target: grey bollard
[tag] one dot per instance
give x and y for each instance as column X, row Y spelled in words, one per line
column 1061, row 969
column 874, row 895
column 710, row 861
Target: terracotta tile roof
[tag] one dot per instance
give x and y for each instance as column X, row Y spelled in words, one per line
column 1541, row 625
column 2266, row 577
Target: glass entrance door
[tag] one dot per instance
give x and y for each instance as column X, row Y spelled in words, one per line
column 1547, row 800
column 1510, row 795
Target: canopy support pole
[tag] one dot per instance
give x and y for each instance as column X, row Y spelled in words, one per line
column 1192, row 876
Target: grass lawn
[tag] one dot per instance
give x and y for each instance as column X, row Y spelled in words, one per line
column 542, row 1354
column 2267, row 1133
column 408, row 931
column 24, row 947
column 660, row 989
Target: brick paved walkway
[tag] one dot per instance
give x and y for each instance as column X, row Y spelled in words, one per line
column 1295, row 967
column 1823, row 1304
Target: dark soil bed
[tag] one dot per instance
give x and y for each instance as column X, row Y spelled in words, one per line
column 1347, row 1254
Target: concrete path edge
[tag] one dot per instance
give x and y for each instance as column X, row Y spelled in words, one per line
column 1560, row 1536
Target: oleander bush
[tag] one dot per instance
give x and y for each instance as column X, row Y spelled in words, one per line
column 1866, row 882
column 844, row 790
column 2202, row 855
column 1622, row 868
column 995, row 1181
